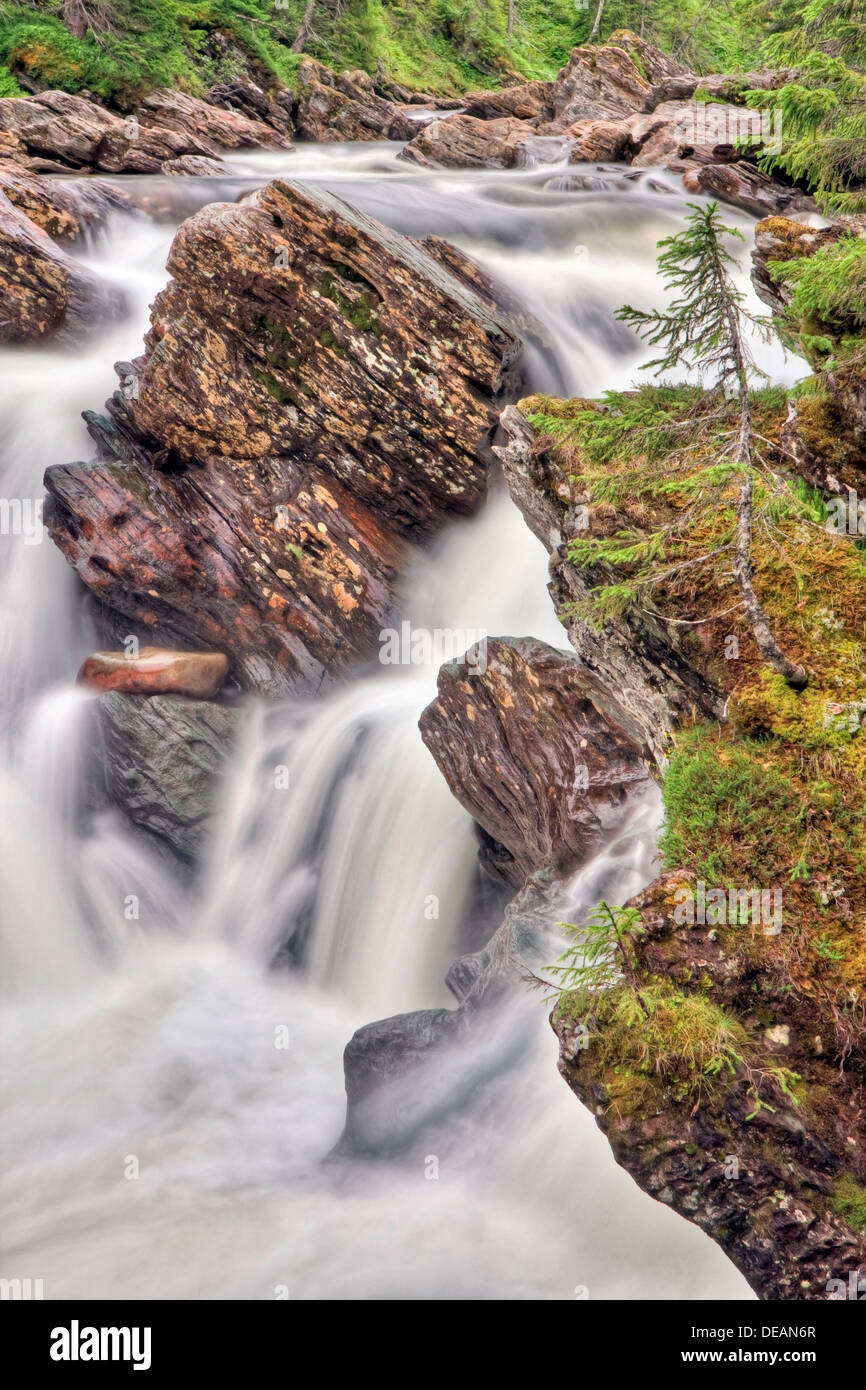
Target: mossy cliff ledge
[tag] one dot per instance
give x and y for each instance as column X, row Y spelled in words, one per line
column 725, row 1057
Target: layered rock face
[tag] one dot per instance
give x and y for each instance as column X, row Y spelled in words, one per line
column 633, row 672
column 56, row 131
column 316, row 392
column 162, row 758
column 546, row 777
column 530, row 758
column 332, row 107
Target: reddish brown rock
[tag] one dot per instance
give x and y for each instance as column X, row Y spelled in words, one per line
column 271, row 105
column 599, row 142
column 526, row 753
column 745, row 186
column 349, row 346
column 157, row 671
column 528, row 101
column 64, row 209
column 295, row 416
column 81, row 134
column 597, row 83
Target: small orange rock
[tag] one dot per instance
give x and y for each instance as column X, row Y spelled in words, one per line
column 157, row 671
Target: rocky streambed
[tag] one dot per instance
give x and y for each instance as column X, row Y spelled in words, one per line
column 341, row 372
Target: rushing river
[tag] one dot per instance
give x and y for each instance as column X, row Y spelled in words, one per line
column 157, row 1141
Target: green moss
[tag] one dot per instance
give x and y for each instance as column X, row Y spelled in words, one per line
column 849, row 1202
column 728, row 817
column 327, row 339
column 271, row 385
column 8, row 86
column 359, row 311
column 658, row 1032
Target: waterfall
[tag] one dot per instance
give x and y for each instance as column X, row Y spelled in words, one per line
column 169, row 1099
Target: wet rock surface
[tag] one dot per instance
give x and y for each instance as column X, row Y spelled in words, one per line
column 71, row 132
column 405, row 1074
column 162, row 758
column 526, row 753
column 620, row 101
column 156, row 671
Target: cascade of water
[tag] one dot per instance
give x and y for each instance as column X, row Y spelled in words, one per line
column 171, row 1059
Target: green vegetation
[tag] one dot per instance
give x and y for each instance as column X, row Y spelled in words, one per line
column 849, row 1202
column 829, row 286
column 823, row 110
column 118, row 49
column 709, row 515
column 648, row 1034
column 131, row 46
column 775, row 795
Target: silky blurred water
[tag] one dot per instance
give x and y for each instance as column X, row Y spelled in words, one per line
column 160, row 1138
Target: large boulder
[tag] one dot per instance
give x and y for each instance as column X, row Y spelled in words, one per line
column 242, row 94
column 465, row 142
column 82, row 135
column 528, row 101
column 74, row 133
column 296, row 416
column 599, row 82
column 525, row 752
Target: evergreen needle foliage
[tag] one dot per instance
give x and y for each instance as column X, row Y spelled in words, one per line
column 703, row 328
